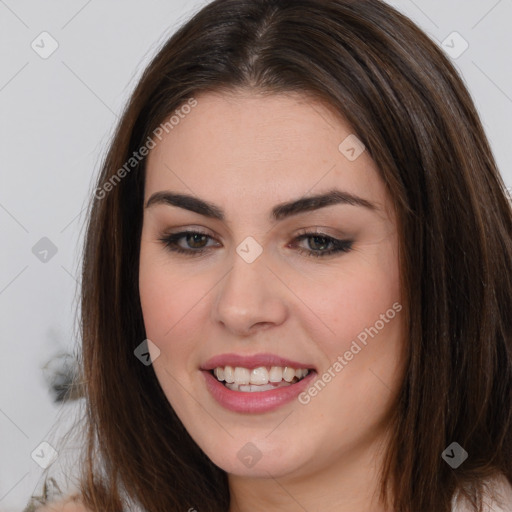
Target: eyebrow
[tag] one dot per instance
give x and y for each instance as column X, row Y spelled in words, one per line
column 279, row 212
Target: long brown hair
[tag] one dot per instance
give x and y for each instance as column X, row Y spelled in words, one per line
column 411, row 110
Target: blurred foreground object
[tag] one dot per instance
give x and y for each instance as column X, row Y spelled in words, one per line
column 62, row 377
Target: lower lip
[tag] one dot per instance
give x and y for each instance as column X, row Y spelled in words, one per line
column 256, row 401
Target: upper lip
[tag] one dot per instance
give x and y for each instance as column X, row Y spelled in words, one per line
column 251, row 362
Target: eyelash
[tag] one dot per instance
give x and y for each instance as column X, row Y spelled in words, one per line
column 339, row 246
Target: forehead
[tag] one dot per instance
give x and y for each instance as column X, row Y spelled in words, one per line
column 264, row 148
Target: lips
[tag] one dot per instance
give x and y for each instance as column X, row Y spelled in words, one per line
column 253, row 361
column 254, row 401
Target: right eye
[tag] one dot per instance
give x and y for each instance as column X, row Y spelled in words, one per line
column 196, row 240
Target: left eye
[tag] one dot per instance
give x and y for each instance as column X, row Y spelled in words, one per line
column 196, row 243
column 320, row 240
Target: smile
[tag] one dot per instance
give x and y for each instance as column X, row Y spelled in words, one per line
column 255, row 384
column 258, row 379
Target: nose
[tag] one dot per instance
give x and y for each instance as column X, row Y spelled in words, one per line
column 250, row 298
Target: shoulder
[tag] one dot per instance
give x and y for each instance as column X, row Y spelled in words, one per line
column 70, row 504
column 501, row 494
column 497, row 497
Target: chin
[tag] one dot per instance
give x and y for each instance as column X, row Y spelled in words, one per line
column 258, row 458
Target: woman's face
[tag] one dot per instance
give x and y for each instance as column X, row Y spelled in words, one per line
column 254, row 297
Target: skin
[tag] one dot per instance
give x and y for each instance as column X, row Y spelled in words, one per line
column 246, row 153
column 67, row 505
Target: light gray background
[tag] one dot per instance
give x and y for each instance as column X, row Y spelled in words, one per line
column 57, row 115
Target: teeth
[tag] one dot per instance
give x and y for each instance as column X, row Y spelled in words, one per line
column 258, row 379
column 298, row 373
column 229, row 374
column 253, row 387
column 288, row 374
column 276, row 374
column 242, row 376
column 259, row 376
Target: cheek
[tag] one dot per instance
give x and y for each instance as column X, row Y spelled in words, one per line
column 167, row 298
column 158, row 304
column 362, row 370
column 349, row 303
column 172, row 302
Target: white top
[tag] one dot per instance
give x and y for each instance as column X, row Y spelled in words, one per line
column 503, row 494
column 498, row 486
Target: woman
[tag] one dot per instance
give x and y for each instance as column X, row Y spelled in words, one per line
column 227, row 370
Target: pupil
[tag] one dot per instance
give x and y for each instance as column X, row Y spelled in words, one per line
column 323, row 245
column 194, row 235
